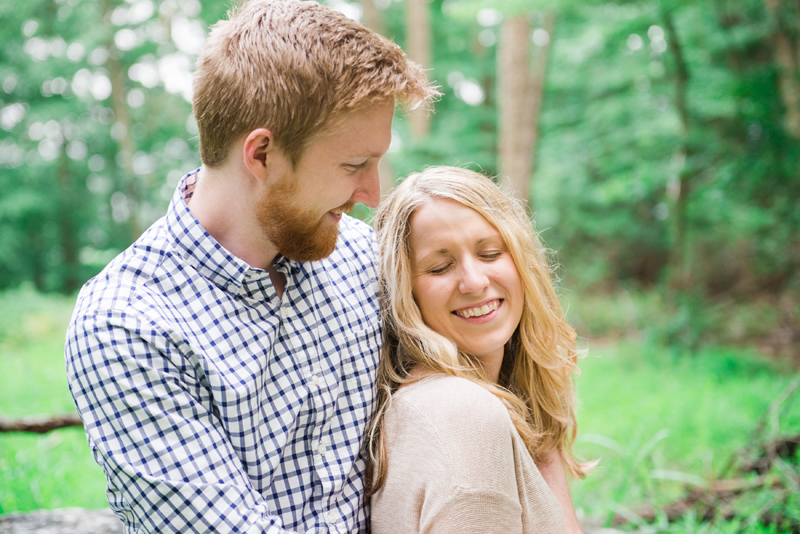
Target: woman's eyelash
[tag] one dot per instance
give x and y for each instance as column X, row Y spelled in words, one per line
column 485, row 255
column 439, row 270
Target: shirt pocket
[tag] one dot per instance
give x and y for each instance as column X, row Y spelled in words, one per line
column 360, row 354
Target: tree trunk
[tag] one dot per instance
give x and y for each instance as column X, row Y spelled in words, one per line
column 514, row 104
column 36, row 251
column 418, row 47
column 66, row 226
column 372, row 17
column 535, row 96
column 787, row 69
column 125, row 144
column 386, row 174
column 680, row 275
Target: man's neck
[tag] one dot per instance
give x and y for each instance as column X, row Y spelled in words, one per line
column 224, row 202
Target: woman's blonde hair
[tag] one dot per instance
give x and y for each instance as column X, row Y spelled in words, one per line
column 537, row 389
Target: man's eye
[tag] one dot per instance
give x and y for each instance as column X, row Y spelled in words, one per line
column 353, row 167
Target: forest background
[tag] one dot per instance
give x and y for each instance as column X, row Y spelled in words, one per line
column 655, row 141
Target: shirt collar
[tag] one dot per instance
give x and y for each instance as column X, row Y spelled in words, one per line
column 197, row 247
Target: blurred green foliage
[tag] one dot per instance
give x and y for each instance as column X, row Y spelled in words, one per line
column 83, row 173
column 613, row 147
column 648, row 162
column 683, row 322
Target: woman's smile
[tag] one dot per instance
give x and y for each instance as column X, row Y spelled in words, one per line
column 481, row 311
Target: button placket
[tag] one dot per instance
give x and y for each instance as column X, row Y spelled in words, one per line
column 314, row 379
column 323, row 446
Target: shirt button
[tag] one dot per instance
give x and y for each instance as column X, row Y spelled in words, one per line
column 321, row 449
column 330, row 517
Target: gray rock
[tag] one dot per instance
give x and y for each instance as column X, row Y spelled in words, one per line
column 64, row 521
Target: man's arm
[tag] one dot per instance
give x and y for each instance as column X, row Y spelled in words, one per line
column 169, row 464
column 554, row 473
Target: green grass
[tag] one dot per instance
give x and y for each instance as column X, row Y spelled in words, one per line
column 54, row 470
column 643, row 408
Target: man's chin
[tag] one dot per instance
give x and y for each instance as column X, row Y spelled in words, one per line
column 315, row 249
column 299, row 235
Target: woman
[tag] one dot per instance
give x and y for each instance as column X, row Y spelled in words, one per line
column 475, row 377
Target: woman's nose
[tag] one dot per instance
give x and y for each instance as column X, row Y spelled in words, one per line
column 473, row 278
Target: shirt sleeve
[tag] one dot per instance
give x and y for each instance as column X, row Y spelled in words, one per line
column 169, row 464
column 451, row 464
column 476, row 491
column 474, row 511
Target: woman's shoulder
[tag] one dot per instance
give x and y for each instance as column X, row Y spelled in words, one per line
column 449, row 402
column 450, row 459
column 456, row 424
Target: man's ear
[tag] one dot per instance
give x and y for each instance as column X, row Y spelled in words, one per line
column 258, row 149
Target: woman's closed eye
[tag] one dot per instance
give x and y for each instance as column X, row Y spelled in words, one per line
column 491, row 255
column 487, row 256
column 439, row 269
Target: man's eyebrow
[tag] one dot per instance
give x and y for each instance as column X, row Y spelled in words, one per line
column 366, row 155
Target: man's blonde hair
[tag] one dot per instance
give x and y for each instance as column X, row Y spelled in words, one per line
column 536, row 379
column 294, row 68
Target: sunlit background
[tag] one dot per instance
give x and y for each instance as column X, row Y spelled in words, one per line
column 656, row 143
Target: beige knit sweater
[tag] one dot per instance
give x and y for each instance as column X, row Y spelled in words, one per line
column 458, row 465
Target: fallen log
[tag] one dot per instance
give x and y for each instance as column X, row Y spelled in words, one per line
column 785, row 448
column 707, row 503
column 40, row 426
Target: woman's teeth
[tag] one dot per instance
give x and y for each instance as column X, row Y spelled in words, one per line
column 479, row 311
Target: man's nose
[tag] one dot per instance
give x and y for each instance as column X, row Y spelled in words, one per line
column 369, row 188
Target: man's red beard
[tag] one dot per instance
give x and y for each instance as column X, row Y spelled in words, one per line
column 299, row 235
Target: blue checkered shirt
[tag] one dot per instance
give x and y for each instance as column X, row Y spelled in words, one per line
column 212, row 404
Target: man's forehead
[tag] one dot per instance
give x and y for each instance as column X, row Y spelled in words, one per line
column 358, row 133
column 353, row 118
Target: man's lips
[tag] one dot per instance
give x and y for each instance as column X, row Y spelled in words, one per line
column 344, row 208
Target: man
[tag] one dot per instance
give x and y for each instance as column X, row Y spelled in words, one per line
column 224, row 364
